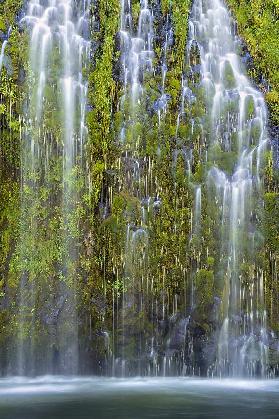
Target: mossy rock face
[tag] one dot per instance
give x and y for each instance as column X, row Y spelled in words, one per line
column 195, row 58
column 249, row 107
column 272, row 99
column 247, row 272
column 225, row 161
column 228, row 77
column 232, row 105
column 271, row 223
column 257, row 25
column 172, row 161
column 204, row 292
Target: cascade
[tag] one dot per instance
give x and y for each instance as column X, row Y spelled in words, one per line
column 197, row 211
column 162, row 102
column 136, row 59
column 2, row 53
column 52, row 162
column 237, row 118
column 140, row 245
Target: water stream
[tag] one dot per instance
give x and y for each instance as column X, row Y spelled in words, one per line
column 58, row 53
column 136, row 56
column 3, row 48
column 2, row 54
column 238, row 119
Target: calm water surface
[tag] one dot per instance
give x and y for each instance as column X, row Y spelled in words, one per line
column 95, row 398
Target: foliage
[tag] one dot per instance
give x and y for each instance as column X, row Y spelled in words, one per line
column 179, row 261
column 258, row 23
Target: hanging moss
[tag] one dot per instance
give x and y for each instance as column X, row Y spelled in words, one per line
column 180, row 13
column 271, row 222
column 258, row 25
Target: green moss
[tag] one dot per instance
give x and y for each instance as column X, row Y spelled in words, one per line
column 258, row 25
column 228, row 76
column 180, row 14
column 204, row 290
column 102, row 270
column 272, row 99
column 271, row 223
column 249, row 107
column 226, row 161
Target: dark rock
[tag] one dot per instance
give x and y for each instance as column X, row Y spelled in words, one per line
column 274, row 139
column 178, row 335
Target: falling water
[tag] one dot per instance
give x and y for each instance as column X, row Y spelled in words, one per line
column 197, row 211
column 74, row 105
column 237, row 115
column 136, row 58
column 59, row 50
column 162, row 103
column 136, row 50
column 2, row 53
column 152, row 333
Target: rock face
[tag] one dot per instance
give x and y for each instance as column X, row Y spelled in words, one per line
column 274, row 135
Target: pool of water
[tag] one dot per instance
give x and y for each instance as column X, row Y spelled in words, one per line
column 139, row 398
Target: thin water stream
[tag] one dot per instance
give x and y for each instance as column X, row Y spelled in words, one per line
column 52, row 163
column 238, row 119
column 136, row 58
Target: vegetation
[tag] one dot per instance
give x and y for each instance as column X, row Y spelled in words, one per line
column 179, row 259
column 257, row 23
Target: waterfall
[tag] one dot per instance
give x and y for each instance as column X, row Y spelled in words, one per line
column 2, row 53
column 136, row 50
column 237, row 117
column 197, row 211
column 139, row 248
column 136, row 59
column 52, row 155
column 162, row 102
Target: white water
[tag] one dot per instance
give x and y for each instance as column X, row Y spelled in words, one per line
column 56, row 31
column 197, row 211
column 2, row 54
column 238, row 126
column 3, row 48
column 136, row 58
column 48, row 383
column 162, row 102
column 58, row 54
column 136, row 50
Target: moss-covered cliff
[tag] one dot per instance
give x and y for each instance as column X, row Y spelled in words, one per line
column 179, row 258
column 257, row 23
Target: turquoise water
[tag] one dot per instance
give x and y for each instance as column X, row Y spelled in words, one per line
column 96, row 398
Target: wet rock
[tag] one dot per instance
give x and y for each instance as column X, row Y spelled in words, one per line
column 161, row 103
column 195, row 58
column 100, row 303
column 178, row 335
column 52, row 316
column 7, row 63
column 196, row 69
column 163, row 327
column 21, row 76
